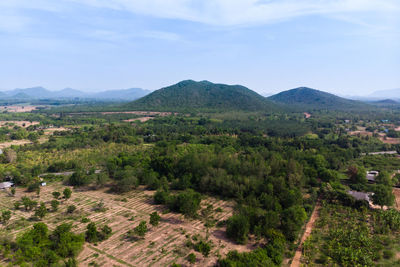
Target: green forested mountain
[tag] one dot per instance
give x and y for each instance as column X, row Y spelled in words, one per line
column 310, row 98
column 204, row 95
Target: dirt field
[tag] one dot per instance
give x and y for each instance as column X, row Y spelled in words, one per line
column 18, row 123
column 360, row 133
column 389, row 140
column 396, row 192
column 50, row 131
column 27, row 108
column 141, row 119
column 14, row 143
column 309, row 226
column 161, row 246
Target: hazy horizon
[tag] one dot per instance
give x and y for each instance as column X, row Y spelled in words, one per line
column 345, row 47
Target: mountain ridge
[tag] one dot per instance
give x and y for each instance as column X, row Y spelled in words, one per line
column 189, row 94
column 315, row 99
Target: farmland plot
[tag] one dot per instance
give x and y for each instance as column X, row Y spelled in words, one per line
column 162, row 245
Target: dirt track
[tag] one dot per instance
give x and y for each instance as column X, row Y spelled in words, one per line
column 396, row 192
column 310, row 225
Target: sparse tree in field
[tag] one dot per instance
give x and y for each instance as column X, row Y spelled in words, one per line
column 141, row 229
column 17, row 205
column 55, row 204
column 71, row 209
column 28, row 203
column 5, row 216
column 38, row 191
column 13, row 191
column 67, row 193
column 105, row 232
column 191, row 258
column 56, row 194
column 154, row 218
column 92, row 235
column 41, row 211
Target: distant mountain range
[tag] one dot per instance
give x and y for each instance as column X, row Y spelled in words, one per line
column 69, row 93
column 192, row 95
column 386, row 94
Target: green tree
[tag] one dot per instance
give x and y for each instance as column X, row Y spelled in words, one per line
column 71, row 208
column 5, row 216
column 383, row 195
column 13, row 191
column 55, row 204
column 357, row 174
column 92, row 235
column 141, row 229
column 41, row 211
column 56, row 194
column 238, row 228
column 67, row 193
column 154, row 218
column 384, row 179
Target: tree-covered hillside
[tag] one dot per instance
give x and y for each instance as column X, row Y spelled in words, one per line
column 190, row 95
column 307, row 98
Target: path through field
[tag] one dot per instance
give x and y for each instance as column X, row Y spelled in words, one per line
column 307, row 232
column 396, row 193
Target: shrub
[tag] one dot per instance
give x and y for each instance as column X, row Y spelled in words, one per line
column 71, row 209
column 154, row 218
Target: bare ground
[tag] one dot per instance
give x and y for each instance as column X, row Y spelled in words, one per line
column 27, row 108
column 14, row 143
column 18, row 123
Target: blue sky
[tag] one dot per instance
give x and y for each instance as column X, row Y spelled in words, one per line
column 349, row 47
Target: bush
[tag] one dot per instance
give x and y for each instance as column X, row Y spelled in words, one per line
column 154, row 218
column 191, row 258
column 161, row 197
column 71, row 209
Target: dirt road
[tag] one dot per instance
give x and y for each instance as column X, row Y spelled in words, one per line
column 307, row 232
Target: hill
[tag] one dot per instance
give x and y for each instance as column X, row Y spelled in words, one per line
column 124, row 94
column 386, row 94
column 204, row 95
column 304, row 97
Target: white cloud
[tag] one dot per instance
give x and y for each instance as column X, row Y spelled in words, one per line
column 243, row 12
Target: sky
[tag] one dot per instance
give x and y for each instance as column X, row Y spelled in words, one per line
column 347, row 47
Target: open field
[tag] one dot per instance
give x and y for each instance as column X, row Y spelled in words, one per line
column 20, row 108
column 389, row 140
column 14, row 143
column 161, row 246
column 141, row 119
column 18, row 123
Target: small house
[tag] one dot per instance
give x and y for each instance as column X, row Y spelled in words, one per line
column 359, row 195
column 5, row 185
column 43, row 184
column 371, row 175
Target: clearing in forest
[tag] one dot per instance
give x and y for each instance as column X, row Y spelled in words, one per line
column 163, row 244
